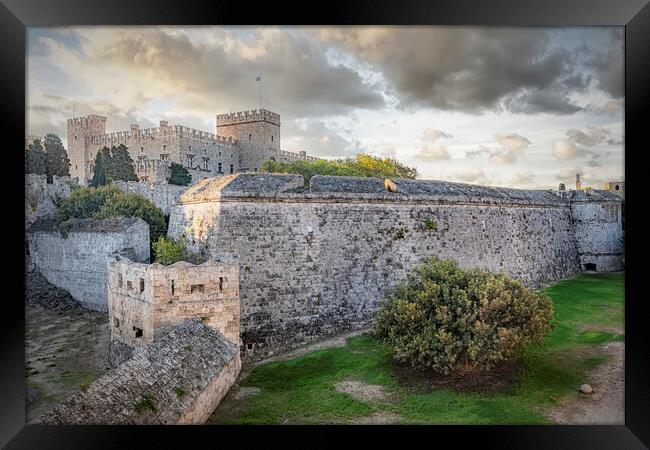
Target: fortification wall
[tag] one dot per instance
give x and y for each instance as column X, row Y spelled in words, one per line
column 164, row 196
column 144, row 299
column 41, row 197
column 599, row 232
column 319, row 262
column 179, row 379
column 74, row 256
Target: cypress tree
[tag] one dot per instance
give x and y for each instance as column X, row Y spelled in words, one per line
column 57, row 157
column 35, row 158
column 121, row 166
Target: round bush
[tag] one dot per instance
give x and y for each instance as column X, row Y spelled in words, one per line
column 447, row 318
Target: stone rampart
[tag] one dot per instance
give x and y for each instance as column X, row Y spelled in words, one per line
column 179, row 379
column 319, row 262
column 164, row 196
column 73, row 255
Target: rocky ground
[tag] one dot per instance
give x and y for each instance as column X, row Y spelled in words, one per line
column 606, row 405
column 66, row 345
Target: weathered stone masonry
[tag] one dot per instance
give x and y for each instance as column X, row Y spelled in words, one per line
column 74, row 255
column 319, row 262
column 179, row 379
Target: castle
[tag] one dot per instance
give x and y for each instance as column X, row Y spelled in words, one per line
column 242, row 142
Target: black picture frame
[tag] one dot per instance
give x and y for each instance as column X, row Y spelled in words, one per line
column 634, row 15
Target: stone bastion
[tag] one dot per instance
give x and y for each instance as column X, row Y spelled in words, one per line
column 317, row 259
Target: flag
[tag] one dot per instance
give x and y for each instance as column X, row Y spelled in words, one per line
column 259, row 77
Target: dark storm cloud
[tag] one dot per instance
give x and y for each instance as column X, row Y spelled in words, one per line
column 296, row 75
column 474, row 70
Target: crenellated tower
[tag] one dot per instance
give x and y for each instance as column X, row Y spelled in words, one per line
column 257, row 133
column 80, row 132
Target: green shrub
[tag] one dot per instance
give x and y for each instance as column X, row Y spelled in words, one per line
column 135, row 205
column 448, row 319
column 108, row 201
column 168, row 251
column 361, row 165
column 431, row 224
column 146, row 402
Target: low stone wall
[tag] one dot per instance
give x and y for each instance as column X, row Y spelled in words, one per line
column 74, row 254
column 179, row 379
column 164, row 196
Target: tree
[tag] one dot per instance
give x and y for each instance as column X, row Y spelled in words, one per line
column 101, row 168
column 56, row 156
column 35, row 158
column 179, row 175
column 447, row 318
column 113, row 164
column 121, row 167
column 562, row 187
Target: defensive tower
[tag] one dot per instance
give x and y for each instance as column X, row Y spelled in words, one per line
column 257, row 132
column 80, row 129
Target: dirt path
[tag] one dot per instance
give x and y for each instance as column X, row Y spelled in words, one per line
column 606, row 405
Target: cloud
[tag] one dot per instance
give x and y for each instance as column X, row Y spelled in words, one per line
column 318, row 139
column 483, row 150
column 523, row 179
column 196, row 72
column 433, row 152
column 477, row 69
column 512, row 148
column 431, row 135
column 474, row 175
column 575, row 144
column 565, row 149
column 568, row 174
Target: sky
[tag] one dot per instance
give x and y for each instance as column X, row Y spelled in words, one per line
column 517, row 107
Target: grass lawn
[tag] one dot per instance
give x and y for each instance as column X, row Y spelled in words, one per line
column 588, row 313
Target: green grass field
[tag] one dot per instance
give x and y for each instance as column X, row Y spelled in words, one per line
column 588, row 313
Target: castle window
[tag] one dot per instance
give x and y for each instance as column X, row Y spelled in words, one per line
column 119, row 279
column 75, row 138
column 206, row 161
column 129, row 285
column 232, row 168
column 205, row 151
column 616, row 187
column 271, row 138
column 138, row 332
column 141, row 149
column 164, row 147
column 219, row 168
column 221, row 284
column 197, row 288
column 116, row 322
column 141, row 285
column 250, row 137
column 172, row 287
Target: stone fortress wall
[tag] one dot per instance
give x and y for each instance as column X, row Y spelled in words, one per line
column 319, row 262
column 244, row 140
column 74, row 255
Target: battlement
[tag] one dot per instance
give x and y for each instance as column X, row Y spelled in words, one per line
column 254, row 115
column 164, row 130
column 86, row 120
column 299, row 155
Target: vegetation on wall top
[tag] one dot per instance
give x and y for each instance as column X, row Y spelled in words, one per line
column 361, row 165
